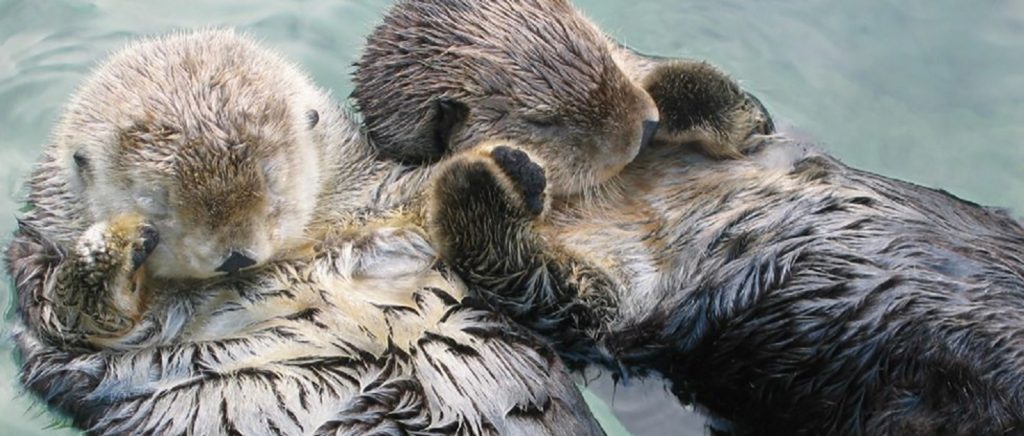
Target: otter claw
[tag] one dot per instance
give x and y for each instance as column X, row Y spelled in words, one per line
column 525, row 174
column 150, row 238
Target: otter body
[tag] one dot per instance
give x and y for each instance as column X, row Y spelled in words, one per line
column 358, row 332
column 802, row 296
column 779, row 289
column 794, row 295
column 362, row 337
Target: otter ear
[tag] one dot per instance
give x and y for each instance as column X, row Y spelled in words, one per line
column 313, row 118
column 83, row 166
column 448, row 115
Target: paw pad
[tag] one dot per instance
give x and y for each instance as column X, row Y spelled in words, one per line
column 524, row 173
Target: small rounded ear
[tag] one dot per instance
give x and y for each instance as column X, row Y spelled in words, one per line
column 313, row 118
column 448, row 115
column 81, row 160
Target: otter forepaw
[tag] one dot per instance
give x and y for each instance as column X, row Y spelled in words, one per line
column 120, row 245
column 699, row 104
column 143, row 246
column 488, row 197
column 499, row 182
column 98, row 286
column 525, row 175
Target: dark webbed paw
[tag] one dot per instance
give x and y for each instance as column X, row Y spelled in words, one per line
column 700, row 104
column 527, row 177
column 484, row 200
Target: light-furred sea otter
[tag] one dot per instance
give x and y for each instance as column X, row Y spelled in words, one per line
column 182, row 154
column 784, row 292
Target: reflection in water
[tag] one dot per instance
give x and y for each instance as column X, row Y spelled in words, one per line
column 646, row 407
column 923, row 90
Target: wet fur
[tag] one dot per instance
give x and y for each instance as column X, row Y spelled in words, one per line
column 775, row 287
column 485, row 57
column 362, row 337
column 360, row 332
column 785, row 294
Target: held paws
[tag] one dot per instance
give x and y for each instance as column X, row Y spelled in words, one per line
column 490, row 183
column 524, row 174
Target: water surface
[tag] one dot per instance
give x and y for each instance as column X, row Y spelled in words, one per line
column 929, row 91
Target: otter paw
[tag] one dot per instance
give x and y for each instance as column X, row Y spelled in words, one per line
column 98, row 285
column 525, row 175
column 486, row 189
column 143, row 246
column 120, row 245
column 701, row 105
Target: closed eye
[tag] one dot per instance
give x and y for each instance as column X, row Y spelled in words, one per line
column 542, row 121
column 152, row 207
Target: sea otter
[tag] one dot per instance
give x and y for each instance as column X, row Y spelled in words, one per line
column 783, row 291
column 338, row 320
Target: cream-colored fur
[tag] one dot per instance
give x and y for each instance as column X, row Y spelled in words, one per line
column 348, row 326
column 144, row 124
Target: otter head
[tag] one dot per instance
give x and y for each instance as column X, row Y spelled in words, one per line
column 222, row 200
column 438, row 77
column 211, row 139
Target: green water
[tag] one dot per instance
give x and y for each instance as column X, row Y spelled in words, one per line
column 930, row 91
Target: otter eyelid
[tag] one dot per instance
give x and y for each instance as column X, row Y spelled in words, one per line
column 541, row 120
column 153, row 207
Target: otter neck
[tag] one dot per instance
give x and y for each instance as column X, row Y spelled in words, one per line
column 357, row 182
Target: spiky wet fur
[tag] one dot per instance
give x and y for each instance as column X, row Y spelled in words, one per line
column 785, row 293
column 357, row 332
column 779, row 289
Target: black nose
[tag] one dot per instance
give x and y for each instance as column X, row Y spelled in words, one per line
column 235, row 262
column 650, row 128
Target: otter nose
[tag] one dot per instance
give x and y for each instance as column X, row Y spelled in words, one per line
column 235, row 262
column 650, row 128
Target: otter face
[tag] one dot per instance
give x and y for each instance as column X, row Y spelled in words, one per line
column 210, row 138
column 532, row 72
column 220, row 203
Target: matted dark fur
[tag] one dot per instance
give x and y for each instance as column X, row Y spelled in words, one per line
column 781, row 290
column 801, row 296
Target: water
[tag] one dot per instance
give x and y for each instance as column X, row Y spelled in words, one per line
column 924, row 90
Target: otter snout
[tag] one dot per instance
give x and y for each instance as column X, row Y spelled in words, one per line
column 235, row 262
column 650, row 127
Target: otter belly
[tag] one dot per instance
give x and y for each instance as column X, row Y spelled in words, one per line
column 347, row 341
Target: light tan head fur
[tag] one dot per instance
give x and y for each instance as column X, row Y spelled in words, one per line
column 206, row 135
